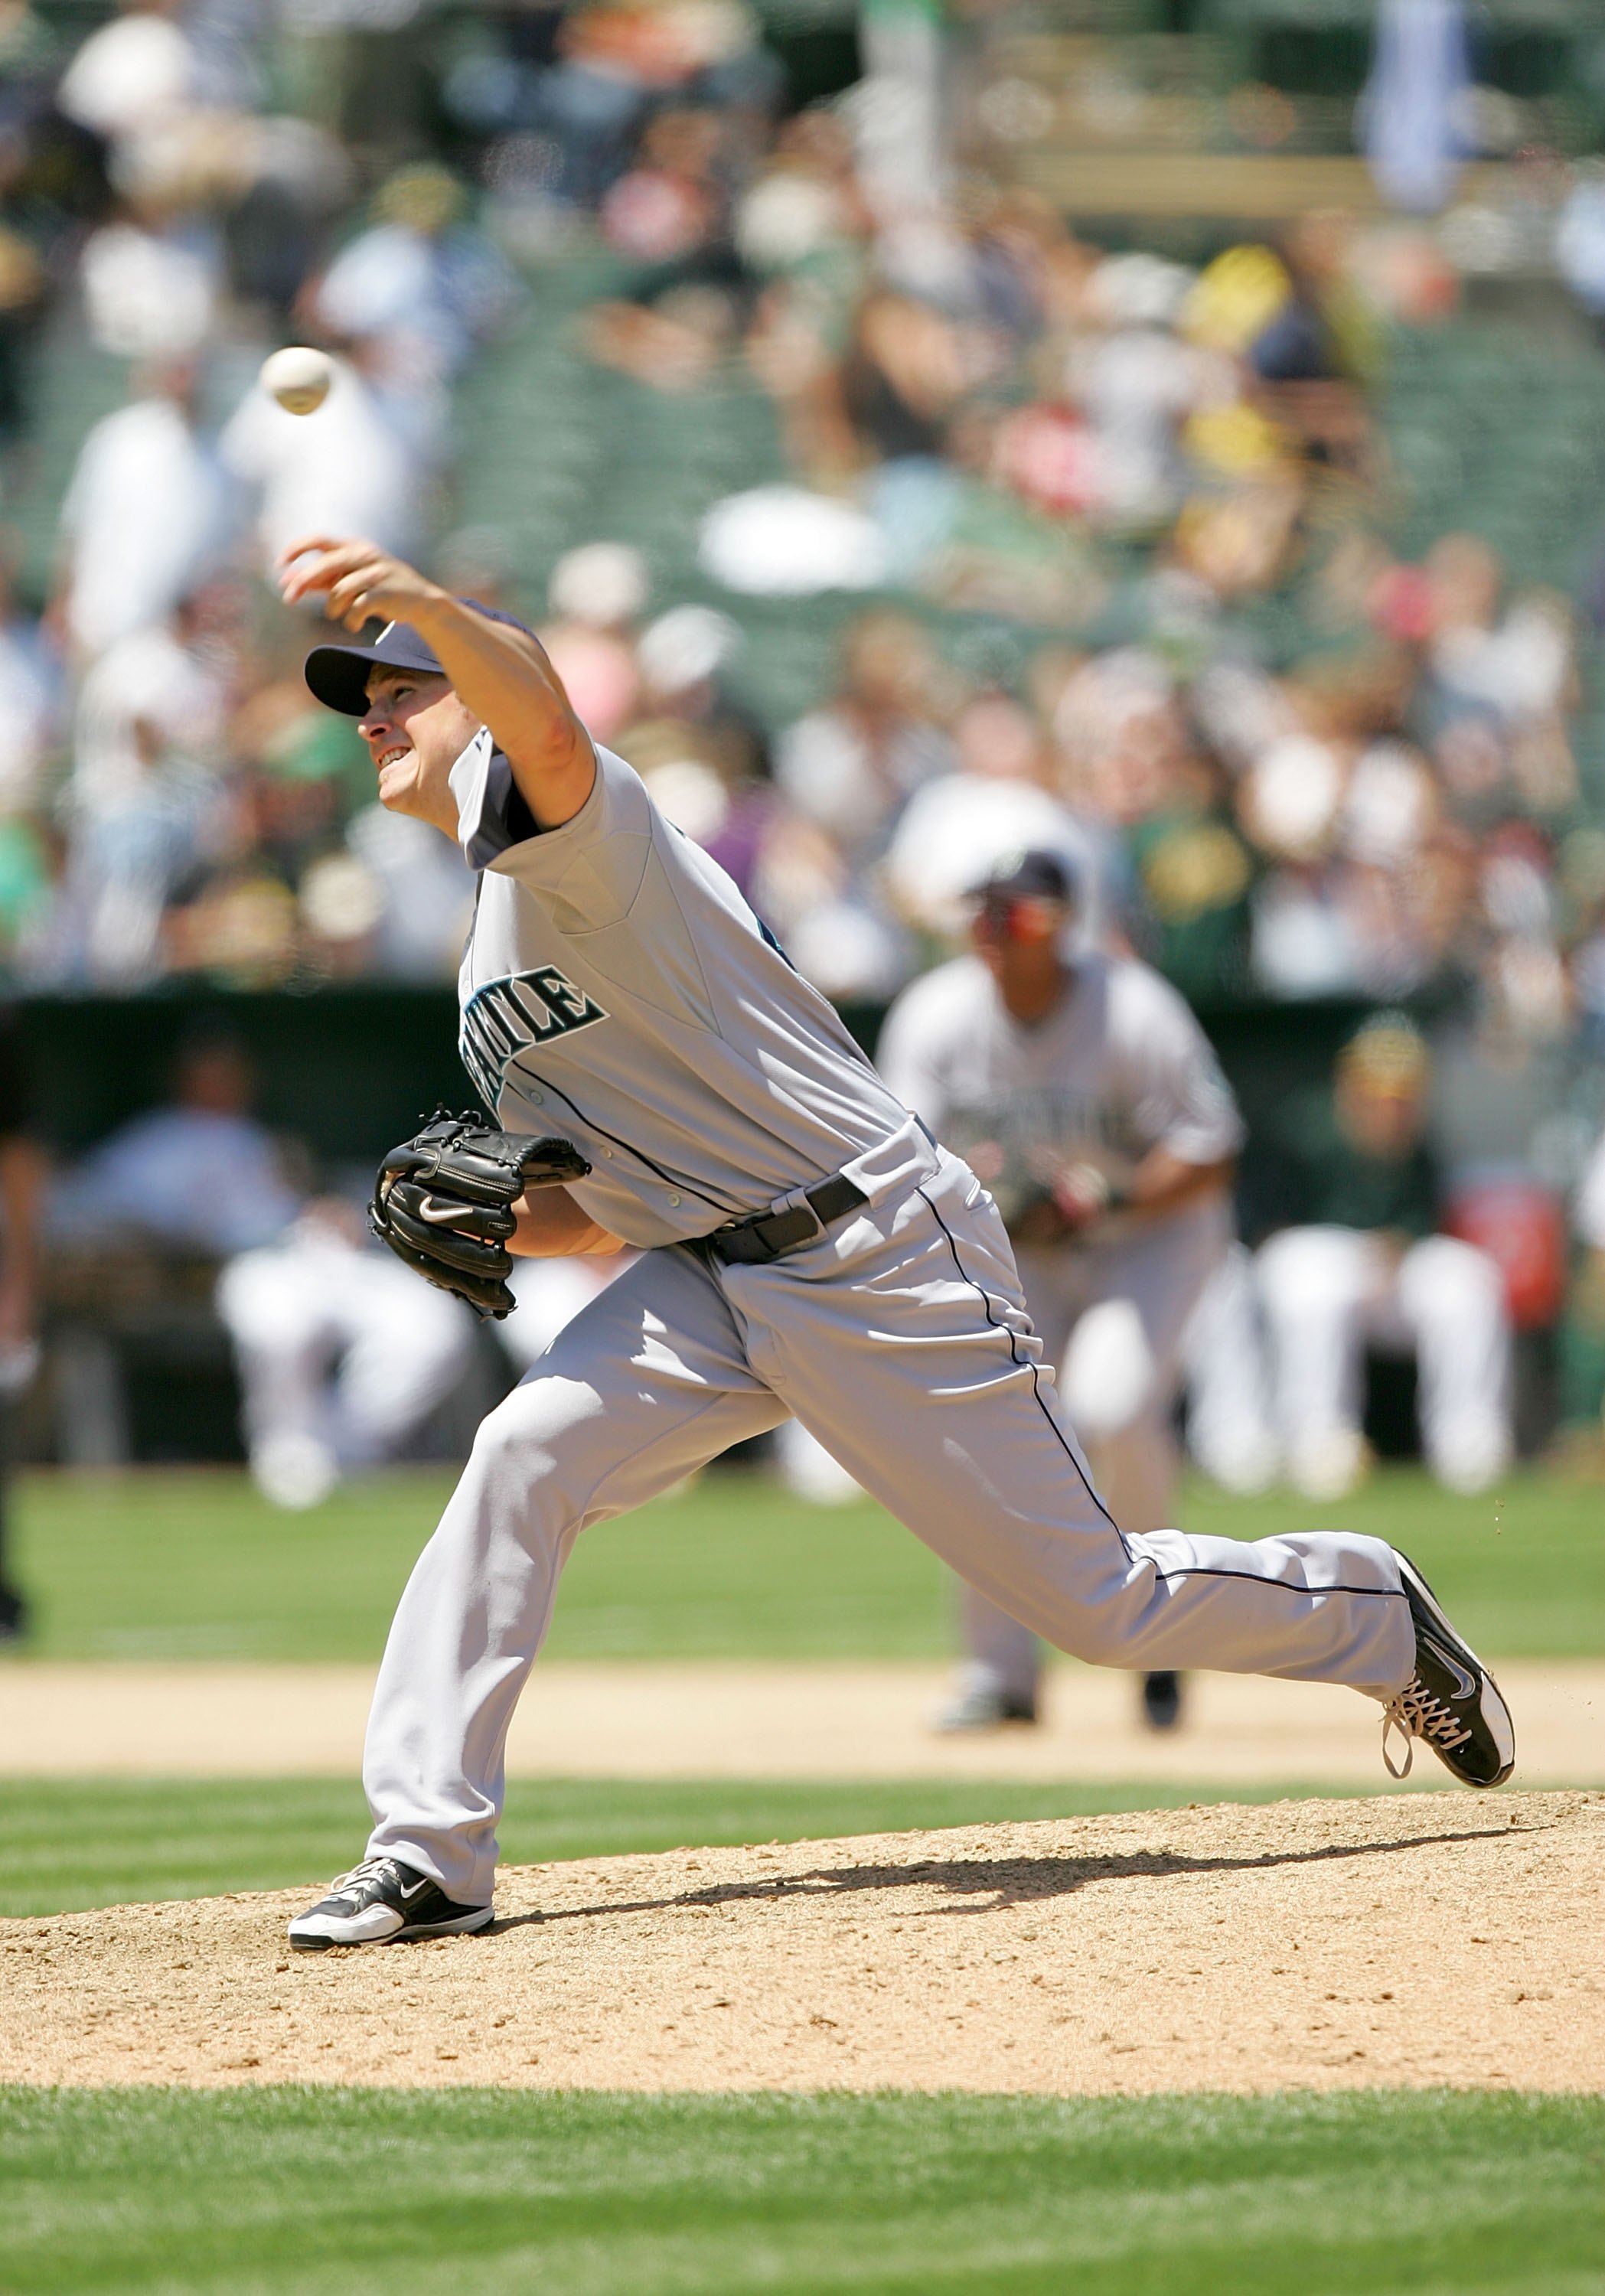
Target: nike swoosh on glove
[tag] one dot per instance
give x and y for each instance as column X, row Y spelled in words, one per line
column 443, row 1202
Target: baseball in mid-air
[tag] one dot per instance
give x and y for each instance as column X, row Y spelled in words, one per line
column 297, row 378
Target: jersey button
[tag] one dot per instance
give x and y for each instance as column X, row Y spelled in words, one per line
column 539, row 1098
column 674, row 1200
column 607, row 1151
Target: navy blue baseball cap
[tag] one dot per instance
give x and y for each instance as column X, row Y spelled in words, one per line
column 1038, row 875
column 337, row 675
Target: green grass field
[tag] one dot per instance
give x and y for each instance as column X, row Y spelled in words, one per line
column 191, row 1564
column 340, row 2193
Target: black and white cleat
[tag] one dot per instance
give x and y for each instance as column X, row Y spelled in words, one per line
column 1451, row 1702
column 381, row 1902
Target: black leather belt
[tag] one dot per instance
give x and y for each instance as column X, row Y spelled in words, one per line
column 769, row 1236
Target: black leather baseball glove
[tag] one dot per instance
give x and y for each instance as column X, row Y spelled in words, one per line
column 443, row 1202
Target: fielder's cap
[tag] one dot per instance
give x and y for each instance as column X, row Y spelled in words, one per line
column 337, row 675
column 1389, row 1052
column 1035, row 874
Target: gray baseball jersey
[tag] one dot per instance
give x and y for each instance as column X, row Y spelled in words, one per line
column 617, row 989
column 1119, row 1067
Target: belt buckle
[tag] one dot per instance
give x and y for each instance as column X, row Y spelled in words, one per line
column 780, row 1230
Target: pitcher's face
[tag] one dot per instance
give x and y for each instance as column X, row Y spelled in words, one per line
column 416, row 729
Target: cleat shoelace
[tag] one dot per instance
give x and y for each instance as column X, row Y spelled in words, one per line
column 1417, row 1712
column 371, row 1869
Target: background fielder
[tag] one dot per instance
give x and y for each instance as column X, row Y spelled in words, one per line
column 803, row 1246
column 1082, row 1091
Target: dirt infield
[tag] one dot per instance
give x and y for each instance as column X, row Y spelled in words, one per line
column 1452, row 1938
column 712, row 1718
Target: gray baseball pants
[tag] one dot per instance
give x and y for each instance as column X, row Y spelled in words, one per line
column 902, row 1341
column 1150, row 1280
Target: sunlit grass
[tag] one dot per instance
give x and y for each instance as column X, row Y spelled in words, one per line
column 193, row 1564
column 340, row 2193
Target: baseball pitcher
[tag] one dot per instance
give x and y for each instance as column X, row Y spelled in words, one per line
column 658, row 1074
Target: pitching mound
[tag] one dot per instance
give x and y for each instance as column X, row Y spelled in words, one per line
column 1448, row 1938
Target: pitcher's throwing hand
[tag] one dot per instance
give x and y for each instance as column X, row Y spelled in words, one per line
column 357, row 582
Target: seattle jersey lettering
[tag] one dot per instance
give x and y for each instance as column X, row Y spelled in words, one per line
column 505, row 1018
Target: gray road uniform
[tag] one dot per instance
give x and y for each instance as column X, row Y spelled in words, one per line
column 1119, row 1068
column 618, row 989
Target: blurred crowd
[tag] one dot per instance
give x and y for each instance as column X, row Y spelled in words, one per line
column 1118, row 460
column 1111, row 531
column 172, row 804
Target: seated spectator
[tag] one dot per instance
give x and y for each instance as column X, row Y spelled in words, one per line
column 151, row 285
column 30, row 693
column 421, row 895
column 148, row 515
column 1500, row 680
column 1360, row 1262
column 852, row 764
column 414, row 296
column 701, row 753
column 343, row 1352
column 133, row 76
column 591, row 99
column 24, row 298
column 595, row 600
column 145, row 739
column 671, row 203
column 293, row 178
column 200, row 1174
